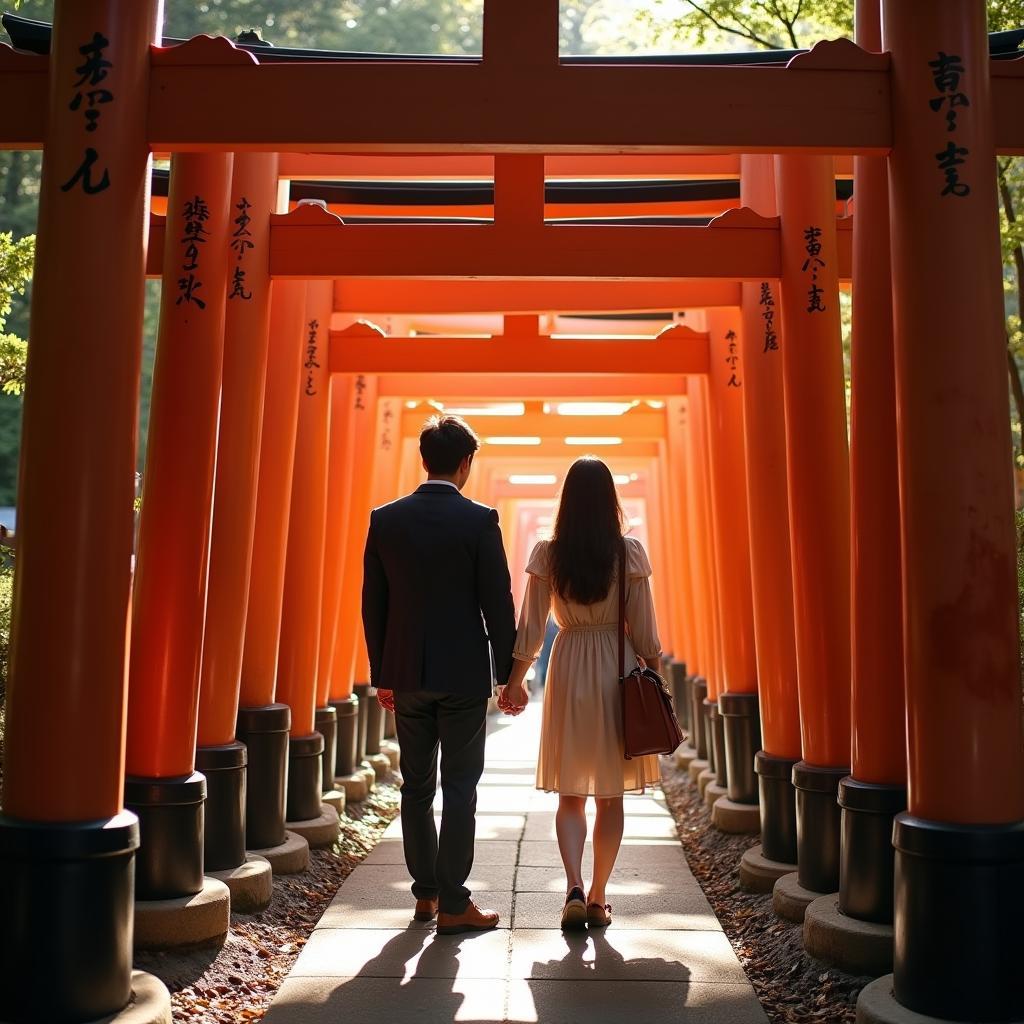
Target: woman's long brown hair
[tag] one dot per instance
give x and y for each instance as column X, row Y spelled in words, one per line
column 588, row 533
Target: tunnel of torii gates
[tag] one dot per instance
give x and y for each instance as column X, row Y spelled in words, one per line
column 839, row 605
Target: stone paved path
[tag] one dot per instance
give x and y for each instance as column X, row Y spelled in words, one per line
column 665, row 957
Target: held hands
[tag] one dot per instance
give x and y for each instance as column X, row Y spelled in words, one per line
column 513, row 698
column 386, row 699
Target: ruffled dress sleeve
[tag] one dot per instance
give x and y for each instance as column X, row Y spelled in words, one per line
column 643, row 625
column 533, row 617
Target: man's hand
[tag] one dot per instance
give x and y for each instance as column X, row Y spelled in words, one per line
column 512, row 699
column 386, row 699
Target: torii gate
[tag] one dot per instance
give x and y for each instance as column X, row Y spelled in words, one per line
column 958, row 551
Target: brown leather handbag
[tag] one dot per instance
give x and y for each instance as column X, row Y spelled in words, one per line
column 649, row 724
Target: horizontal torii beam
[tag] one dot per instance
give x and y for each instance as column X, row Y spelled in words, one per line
column 311, row 243
column 368, row 296
column 637, row 424
column 479, row 387
column 363, row 348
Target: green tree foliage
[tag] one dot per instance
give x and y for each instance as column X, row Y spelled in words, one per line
column 15, row 273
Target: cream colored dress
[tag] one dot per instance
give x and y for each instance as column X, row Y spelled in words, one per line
column 581, row 752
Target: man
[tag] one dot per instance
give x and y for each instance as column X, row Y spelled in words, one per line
column 437, row 602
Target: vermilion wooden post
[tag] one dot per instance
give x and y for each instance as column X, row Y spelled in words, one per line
column 331, row 718
column 65, row 702
column 960, row 848
column 700, row 460
column 263, row 724
column 737, row 698
column 350, row 626
column 771, row 576
column 819, row 504
column 876, row 788
column 303, row 579
column 171, row 569
column 219, row 756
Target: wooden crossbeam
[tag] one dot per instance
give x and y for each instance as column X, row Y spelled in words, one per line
column 478, row 387
column 363, row 349
column 637, row 424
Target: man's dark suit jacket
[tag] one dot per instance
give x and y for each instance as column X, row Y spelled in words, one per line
column 436, row 588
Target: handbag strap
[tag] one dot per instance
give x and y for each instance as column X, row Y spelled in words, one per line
column 622, row 610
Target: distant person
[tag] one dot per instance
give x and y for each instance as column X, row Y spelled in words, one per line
column 436, row 591
column 576, row 574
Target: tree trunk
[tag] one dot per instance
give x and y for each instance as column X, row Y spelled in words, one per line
column 1018, row 265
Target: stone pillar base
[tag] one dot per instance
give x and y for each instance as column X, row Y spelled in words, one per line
column 877, row 1005
column 318, row 832
column 150, row 1004
column 335, row 798
column 758, row 873
column 696, row 767
column 790, row 899
column 354, row 787
column 713, row 792
column 251, row 884
column 368, row 773
column 854, row 946
column 380, row 763
column 190, row 921
column 704, row 779
column 736, row 818
column 391, row 749
column 684, row 756
column 288, row 858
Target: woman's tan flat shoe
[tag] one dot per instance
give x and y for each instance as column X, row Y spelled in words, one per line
column 598, row 916
column 574, row 913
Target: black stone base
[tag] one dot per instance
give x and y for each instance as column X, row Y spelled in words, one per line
column 698, row 694
column 718, row 762
column 305, row 775
column 778, row 806
column 374, row 723
column 958, row 911
column 66, row 918
column 347, row 712
column 264, row 731
column 866, row 857
column 817, row 825
column 225, row 771
column 679, row 684
column 326, row 724
column 169, row 862
column 709, row 709
column 741, row 727
column 362, row 692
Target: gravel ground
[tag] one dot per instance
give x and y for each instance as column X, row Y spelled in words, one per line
column 237, row 982
column 793, row 988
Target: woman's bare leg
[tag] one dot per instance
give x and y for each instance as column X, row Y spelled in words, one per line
column 571, row 829
column 607, row 840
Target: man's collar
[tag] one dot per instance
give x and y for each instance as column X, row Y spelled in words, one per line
column 439, row 483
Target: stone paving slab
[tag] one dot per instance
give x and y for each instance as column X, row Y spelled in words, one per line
column 664, row 959
column 670, row 911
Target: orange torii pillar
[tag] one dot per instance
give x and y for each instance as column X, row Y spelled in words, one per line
column 959, row 879
column 677, row 521
column 263, row 724
column 219, row 756
column 771, row 572
column 737, row 699
column 819, row 509
column 304, row 568
column 701, row 594
column 66, row 843
column 877, row 788
column 337, row 724
column 163, row 786
column 715, row 769
column 356, row 523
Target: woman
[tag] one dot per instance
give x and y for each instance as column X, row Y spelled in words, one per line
column 581, row 750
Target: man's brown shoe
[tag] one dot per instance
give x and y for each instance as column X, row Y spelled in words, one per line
column 426, row 910
column 472, row 919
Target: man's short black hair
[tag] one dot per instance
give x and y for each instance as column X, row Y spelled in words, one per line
column 444, row 442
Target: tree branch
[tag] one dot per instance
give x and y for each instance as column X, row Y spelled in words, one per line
column 744, row 32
